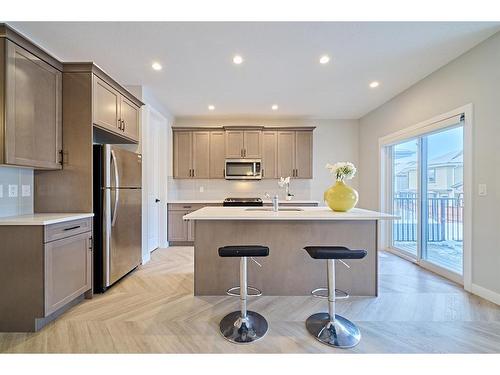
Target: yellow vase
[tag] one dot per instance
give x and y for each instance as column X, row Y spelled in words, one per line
column 341, row 197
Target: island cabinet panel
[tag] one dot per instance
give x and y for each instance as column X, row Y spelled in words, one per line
column 269, row 154
column 303, row 154
column 183, row 154
column 217, row 154
column 201, row 152
column 286, row 153
column 32, row 101
column 234, row 144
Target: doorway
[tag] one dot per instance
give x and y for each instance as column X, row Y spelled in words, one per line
column 426, row 187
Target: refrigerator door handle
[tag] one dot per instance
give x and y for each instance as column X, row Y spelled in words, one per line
column 117, row 190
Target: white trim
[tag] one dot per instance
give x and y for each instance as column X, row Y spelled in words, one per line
column 485, row 293
column 425, row 127
column 450, row 275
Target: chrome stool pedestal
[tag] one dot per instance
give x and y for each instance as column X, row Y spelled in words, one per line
column 244, row 326
column 329, row 328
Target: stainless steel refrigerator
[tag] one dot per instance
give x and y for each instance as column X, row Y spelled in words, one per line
column 117, row 209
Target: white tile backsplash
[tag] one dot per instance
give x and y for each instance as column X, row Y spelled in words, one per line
column 220, row 189
column 13, row 181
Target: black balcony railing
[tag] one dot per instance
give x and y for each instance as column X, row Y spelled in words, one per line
column 445, row 219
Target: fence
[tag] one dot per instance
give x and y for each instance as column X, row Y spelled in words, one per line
column 445, row 218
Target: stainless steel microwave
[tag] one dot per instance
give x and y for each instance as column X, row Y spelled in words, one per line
column 243, row 169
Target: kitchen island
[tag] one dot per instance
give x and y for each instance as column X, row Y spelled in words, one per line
column 288, row 270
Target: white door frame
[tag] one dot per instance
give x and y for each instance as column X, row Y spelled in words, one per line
column 414, row 131
column 148, row 114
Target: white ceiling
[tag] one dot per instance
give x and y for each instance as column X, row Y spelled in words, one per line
column 281, row 61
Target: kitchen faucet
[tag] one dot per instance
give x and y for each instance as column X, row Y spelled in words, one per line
column 275, row 201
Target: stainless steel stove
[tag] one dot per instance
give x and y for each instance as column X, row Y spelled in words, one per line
column 243, row 202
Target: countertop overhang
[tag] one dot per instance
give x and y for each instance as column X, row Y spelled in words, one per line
column 305, row 213
column 43, row 218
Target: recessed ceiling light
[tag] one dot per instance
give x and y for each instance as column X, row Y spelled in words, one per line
column 237, row 59
column 274, row 107
column 156, row 66
column 325, row 59
column 374, row 84
column 211, row 107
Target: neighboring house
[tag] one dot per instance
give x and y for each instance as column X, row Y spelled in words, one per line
column 444, row 175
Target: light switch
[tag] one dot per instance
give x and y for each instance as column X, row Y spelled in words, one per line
column 482, row 190
column 1, row 191
column 26, row 190
column 12, row 191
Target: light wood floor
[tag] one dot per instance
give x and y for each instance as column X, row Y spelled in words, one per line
column 154, row 311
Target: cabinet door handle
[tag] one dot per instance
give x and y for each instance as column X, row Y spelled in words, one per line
column 72, row 228
column 193, row 172
column 123, row 125
column 120, row 123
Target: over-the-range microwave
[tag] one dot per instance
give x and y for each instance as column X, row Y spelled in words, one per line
column 243, row 169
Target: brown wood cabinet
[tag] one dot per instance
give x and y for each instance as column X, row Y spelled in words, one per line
column 85, row 87
column 30, row 108
column 191, row 154
column 112, row 111
column 217, row 154
column 243, row 144
column 49, row 269
column 295, row 150
column 269, row 154
column 181, row 232
column 201, row 152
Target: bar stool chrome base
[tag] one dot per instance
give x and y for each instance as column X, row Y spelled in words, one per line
column 340, row 334
column 243, row 331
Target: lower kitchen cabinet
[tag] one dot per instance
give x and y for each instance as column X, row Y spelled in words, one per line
column 45, row 270
column 181, row 232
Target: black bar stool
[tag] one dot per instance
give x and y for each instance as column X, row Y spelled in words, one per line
column 243, row 327
column 329, row 328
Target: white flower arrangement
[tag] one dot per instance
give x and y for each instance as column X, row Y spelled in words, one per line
column 285, row 182
column 342, row 170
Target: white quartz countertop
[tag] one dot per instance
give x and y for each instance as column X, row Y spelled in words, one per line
column 267, row 201
column 305, row 213
column 43, row 219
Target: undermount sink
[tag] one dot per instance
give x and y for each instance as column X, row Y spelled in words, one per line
column 270, row 209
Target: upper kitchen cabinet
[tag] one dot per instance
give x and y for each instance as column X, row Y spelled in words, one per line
column 269, row 154
column 191, row 154
column 114, row 109
column 217, row 154
column 243, row 144
column 30, row 104
column 295, row 153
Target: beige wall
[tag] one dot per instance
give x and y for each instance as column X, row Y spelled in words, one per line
column 472, row 78
column 333, row 140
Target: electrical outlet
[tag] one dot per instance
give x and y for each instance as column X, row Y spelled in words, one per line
column 26, row 190
column 202, row 189
column 12, row 191
column 1, row 191
column 482, row 190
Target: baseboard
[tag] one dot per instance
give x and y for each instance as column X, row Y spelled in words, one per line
column 146, row 258
column 485, row 293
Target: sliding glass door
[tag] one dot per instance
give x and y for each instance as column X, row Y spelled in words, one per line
column 426, row 192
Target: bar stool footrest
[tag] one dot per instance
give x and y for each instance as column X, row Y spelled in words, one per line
column 339, row 294
column 251, row 292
